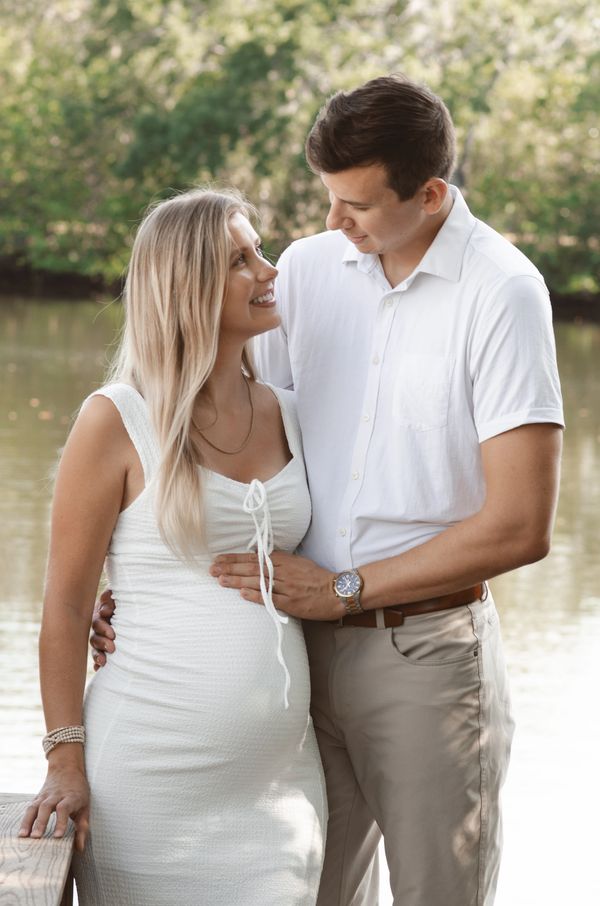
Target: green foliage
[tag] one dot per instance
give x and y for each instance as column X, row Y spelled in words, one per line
column 109, row 104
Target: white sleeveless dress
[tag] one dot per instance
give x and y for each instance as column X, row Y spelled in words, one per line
column 207, row 790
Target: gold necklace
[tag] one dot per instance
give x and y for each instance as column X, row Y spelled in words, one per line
column 247, row 437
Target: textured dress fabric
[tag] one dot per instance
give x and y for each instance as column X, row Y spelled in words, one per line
column 205, row 776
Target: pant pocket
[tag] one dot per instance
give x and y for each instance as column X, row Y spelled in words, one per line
column 437, row 639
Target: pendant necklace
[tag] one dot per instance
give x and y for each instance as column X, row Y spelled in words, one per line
column 247, row 437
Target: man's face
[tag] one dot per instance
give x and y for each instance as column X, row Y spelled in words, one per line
column 369, row 213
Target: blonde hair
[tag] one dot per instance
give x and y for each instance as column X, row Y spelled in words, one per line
column 174, row 292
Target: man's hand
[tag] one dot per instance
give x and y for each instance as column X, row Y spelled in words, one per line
column 102, row 638
column 300, row 587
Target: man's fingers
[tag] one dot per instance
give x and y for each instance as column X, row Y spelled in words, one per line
column 102, row 617
column 255, row 597
column 237, row 569
column 236, row 558
column 103, row 635
column 246, row 582
column 99, row 660
column 107, row 600
column 249, row 594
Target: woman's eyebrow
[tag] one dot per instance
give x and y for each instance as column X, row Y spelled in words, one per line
column 244, row 247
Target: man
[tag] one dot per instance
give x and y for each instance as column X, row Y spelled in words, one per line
column 420, row 347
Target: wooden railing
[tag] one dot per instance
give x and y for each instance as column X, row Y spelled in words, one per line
column 32, row 872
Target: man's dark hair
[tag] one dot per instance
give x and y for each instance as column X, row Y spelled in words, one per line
column 389, row 121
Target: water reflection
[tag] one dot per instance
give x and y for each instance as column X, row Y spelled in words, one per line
column 52, row 355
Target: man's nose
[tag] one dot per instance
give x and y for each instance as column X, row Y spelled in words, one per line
column 337, row 217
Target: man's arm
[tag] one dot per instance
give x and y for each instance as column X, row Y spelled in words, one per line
column 521, row 470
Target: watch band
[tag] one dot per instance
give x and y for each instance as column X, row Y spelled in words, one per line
column 352, row 605
column 351, row 601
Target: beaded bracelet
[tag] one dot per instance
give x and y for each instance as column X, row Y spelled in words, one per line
column 62, row 734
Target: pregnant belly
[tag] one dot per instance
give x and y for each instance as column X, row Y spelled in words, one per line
column 197, row 683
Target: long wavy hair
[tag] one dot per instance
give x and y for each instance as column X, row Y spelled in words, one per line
column 176, row 284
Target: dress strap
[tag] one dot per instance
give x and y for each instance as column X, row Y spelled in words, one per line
column 136, row 418
column 287, row 405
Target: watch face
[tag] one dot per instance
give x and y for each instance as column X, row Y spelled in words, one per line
column 347, row 584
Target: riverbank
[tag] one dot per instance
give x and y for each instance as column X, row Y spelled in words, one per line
column 40, row 285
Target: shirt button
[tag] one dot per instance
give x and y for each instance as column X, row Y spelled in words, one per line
column 343, row 532
column 376, row 360
column 355, row 475
column 365, row 417
column 388, row 302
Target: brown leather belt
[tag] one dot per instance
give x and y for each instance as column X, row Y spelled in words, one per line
column 395, row 616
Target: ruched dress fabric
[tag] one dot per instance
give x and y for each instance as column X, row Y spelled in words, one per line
column 206, row 790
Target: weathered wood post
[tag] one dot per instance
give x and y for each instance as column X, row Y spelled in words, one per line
column 32, row 872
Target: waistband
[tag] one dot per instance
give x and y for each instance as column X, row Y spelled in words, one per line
column 387, row 617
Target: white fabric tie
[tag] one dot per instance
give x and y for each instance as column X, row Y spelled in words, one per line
column 257, row 505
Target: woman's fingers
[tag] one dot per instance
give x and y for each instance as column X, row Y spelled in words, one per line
column 63, row 812
column 82, row 826
column 45, row 809
column 28, row 819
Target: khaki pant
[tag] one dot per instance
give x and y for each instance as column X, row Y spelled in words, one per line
column 414, row 729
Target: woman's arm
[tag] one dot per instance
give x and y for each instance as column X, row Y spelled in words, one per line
column 88, row 496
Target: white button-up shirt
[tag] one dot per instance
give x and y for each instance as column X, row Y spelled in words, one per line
column 396, row 387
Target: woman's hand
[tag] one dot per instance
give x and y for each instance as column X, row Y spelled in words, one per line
column 65, row 792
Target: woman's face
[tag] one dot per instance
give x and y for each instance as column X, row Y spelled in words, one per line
column 249, row 305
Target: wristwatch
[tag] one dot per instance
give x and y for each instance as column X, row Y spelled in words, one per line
column 348, row 586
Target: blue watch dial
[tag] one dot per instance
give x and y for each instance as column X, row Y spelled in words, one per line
column 347, row 584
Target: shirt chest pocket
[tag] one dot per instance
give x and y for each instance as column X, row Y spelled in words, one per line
column 422, row 391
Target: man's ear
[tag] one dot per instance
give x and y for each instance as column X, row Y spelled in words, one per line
column 435, row 192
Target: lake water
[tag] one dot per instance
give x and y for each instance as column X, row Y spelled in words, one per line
column 52, row 355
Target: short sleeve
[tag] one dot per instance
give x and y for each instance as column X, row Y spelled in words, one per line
column 270, row 349
column 513, row 360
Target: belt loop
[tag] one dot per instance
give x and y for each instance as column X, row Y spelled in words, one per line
column 380, row 618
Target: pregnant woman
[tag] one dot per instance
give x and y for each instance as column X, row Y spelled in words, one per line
column 205, row 785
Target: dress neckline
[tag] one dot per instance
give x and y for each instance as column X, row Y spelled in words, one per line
column 290, row 443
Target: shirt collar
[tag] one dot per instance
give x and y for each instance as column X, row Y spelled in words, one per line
column 444, row 257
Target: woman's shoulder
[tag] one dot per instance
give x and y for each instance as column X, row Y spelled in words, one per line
column 118, row 392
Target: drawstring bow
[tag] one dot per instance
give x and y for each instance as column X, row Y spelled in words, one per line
column 257, row 506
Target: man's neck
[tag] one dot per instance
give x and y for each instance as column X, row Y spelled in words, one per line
column 397, row 266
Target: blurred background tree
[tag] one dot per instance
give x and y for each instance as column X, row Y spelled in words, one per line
column 106, row 105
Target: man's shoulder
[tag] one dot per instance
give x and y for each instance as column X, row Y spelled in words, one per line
column 328, row 246
column 495, row 257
